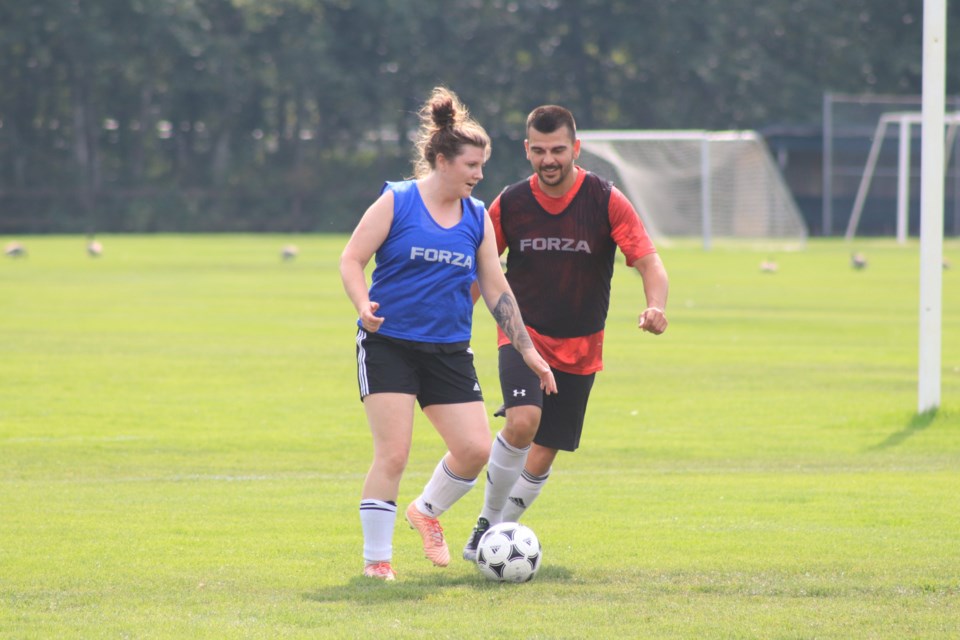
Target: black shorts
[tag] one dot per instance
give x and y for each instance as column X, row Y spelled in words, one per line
column 435, row 373
column 561, row 422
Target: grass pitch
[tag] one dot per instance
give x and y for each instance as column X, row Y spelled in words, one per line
column 182, row 450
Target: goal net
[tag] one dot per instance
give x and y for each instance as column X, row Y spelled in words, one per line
column 856, row 147
column 904, row 123
column 697, row 183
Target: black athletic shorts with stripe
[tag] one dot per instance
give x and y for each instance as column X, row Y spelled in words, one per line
column 561, row 422
column 434, row 373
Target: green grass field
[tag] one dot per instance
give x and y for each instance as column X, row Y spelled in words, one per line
column 182, row 450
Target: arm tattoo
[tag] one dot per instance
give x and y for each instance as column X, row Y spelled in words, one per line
column 507, row 315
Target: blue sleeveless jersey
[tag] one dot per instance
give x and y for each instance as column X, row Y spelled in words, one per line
column 423, row 272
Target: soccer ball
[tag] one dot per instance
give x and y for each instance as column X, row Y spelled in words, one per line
column 509, row 552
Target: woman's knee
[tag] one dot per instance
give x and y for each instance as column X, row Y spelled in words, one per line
column 391, row 463
column 472, row 455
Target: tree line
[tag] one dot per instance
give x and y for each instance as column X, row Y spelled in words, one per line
column 287, row 115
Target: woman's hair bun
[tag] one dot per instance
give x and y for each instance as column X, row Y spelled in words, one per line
column 444, row 112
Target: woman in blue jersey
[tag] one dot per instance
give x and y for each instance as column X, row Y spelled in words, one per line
column 431, row 240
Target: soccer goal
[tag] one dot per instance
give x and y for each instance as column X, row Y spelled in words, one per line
column 709, row 184
column 903, row 121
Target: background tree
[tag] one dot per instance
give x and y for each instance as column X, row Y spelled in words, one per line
column 285, row 115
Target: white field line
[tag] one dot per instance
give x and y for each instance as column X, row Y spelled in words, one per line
column 29, row 439
column 925, row 468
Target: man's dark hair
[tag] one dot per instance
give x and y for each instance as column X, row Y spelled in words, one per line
column 549, row 118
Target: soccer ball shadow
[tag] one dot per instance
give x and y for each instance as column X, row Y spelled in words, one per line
column 552, row 573
column 362, row 590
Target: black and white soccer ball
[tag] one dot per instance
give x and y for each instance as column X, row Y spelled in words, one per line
column 509, row 552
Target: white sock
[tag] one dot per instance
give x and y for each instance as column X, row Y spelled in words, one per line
column 442, row 491
column 377, row 519
column 503, row 471
column 524, row 492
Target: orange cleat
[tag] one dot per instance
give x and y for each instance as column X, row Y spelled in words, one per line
column 434, row 546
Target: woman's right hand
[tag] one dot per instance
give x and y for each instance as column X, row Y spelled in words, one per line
column 370, row 321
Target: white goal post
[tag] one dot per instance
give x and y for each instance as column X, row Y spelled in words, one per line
column 904, row 121
column 690, row 183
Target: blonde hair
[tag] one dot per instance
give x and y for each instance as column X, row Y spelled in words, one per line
column 445, row 127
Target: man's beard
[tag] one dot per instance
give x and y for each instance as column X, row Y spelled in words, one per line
column 560, row 175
